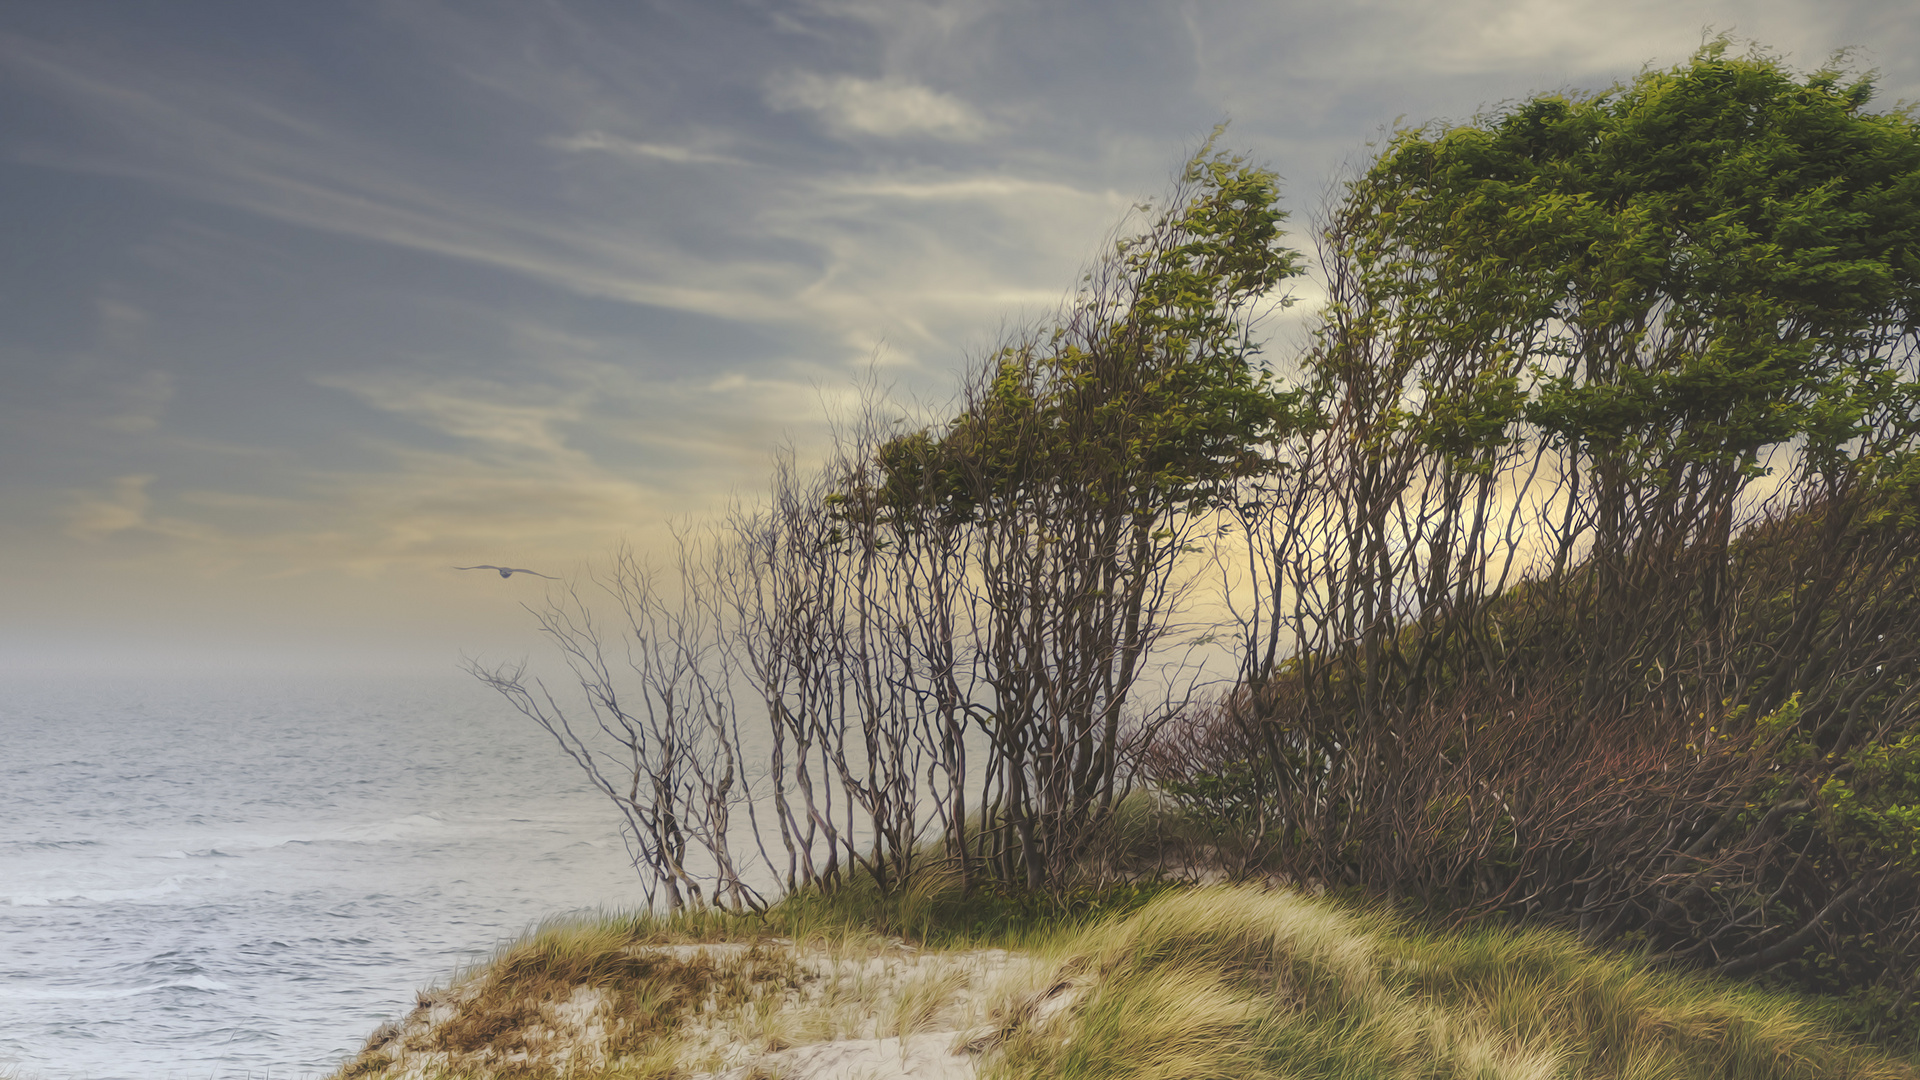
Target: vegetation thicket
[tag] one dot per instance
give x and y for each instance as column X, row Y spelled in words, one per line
column 1593, row 601
column 1569, row 575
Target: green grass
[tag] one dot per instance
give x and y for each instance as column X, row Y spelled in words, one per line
column 934, row 912
column 1246, row 984
column 1162, row 983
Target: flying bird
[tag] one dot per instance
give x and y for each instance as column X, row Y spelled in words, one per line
column 509, row 571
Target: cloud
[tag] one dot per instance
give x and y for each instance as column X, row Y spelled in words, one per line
column 415, row 505
column 94, row 516
column 971, row 187
column 139, row 402
column 124, row 508
column 487, row 412
column 228, row 145
column 588, row 450
column 425, row 504
column 601, row 142
column 1426, row 60
column 1487, row 36
column 845, row 261
column 884, row 107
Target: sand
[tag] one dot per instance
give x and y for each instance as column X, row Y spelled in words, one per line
column 860, row 1011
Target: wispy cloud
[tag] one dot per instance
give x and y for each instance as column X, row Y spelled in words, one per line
column 601, row 142
column 478, row 409
column 125, row 508
column 138, row 403
column 972, row 187
column 219, row 142
column 731, row 255
column 889, row 108
column 96, row 515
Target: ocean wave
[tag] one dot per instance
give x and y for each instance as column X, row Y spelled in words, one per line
column 97, row 896
column 29, row 993
column 48, row 845
column 396, row 829
column 372, row 832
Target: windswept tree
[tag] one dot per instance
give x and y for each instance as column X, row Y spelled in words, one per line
column 1599, row 602
column 1653, row 299
column 1081, row 465
column 1001, row 578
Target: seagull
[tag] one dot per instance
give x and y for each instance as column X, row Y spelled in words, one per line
column 508, row 571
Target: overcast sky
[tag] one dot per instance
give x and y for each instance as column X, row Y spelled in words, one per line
column 304, row 303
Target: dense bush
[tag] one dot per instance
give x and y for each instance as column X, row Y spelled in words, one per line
column 1783, row 841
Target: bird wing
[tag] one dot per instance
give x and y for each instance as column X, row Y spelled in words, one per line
column 522, row 570
column 482, row 566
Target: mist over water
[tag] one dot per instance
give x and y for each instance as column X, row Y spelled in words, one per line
column 217, row 876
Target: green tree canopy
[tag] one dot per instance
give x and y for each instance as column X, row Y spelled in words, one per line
column 1700, row 263
column 1148, row 393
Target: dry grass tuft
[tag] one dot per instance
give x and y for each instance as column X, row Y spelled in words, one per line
column 921, row 1004
column 576, row 998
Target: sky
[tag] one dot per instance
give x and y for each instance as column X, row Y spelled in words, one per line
column 304, row 304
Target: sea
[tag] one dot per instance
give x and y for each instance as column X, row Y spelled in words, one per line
column 226, row 874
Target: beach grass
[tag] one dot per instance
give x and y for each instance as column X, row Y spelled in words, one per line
column 1235, row 983
column 1239, row 983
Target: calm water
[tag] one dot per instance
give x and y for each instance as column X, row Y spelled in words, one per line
column 208, row 878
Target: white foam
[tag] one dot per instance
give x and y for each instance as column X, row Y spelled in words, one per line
column 395, row 829
column 191, row 982
column 103, row 896
column 150, row 892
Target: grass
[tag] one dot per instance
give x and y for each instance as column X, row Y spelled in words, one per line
column 1140, row 984
column 506, row 1017
column 1246, row 984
